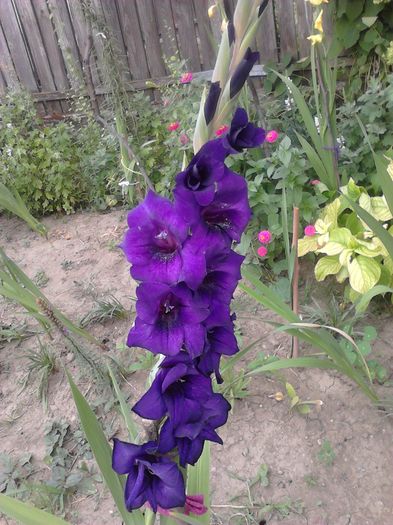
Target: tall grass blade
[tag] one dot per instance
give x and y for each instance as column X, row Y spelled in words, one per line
column 125, row 410
column 103, row 454
column 27, row 514
column 12, row 202
column 298, row 362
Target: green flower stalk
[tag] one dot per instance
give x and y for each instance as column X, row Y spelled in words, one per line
column 234, row 63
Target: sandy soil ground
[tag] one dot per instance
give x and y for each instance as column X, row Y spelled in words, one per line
column 81, row 263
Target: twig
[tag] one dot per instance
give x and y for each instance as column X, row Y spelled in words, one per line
column 127, row 146
column 295, row 277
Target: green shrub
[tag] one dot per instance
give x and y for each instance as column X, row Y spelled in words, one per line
column 53, row 167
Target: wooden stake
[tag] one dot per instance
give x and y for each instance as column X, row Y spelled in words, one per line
column 295, row 277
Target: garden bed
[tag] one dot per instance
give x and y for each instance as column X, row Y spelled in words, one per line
column 330, row 467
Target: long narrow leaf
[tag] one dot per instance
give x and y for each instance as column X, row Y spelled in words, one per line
column 12, row 202
column 198, row 481
column 103, row 454
column 125, row 410
column 298, row 362
column 363, row 302
column 27, row 514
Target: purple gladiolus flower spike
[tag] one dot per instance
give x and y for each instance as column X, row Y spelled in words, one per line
column 242, row 134
column 168, row 317
column 194, row 410
column 151, row 478
column 154, row 244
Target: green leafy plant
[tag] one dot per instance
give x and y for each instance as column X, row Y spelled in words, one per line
column 351, row 250
column 103, row 310
column 42, row 363
column 326, row 454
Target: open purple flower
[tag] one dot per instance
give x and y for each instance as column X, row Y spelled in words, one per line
column 157, row 244
column 220, row 340
column 242, row 134
column 202, row 174
column 227, row 214
column 194, row 410
column 151, row 478
column 168, row 317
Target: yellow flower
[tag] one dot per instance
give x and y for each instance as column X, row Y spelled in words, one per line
column 315, row 39
column 211, row 10
column 318, row 22
column 318, row 2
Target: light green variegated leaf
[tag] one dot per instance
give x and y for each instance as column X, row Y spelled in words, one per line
column 327, row 266
column 332, row 211
column 340, row 239
column 364, row 273
column 322, row 226
column 380, row 209
column 368, row 249
column 307, row 244
column 342, row 275
column 388, row 263
column 351, row 190
column 376, row 206
column 345, row 256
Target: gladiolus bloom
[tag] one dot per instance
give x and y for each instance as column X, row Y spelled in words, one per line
column 173, row 126
column 242, row 134
column 271, row 136
column 221, row 130
column 315, row 39
column 310, row 230
column 262, row 251
column 264, row 237
column 318, row 22
column 186, row 78
column 151, row 478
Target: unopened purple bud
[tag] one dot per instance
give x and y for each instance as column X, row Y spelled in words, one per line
column 212, row 101
column 242, row 71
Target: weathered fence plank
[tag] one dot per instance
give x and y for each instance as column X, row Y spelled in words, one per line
column 136, row 54
column 183, row 13
column 9, row 76
column 46, row 45
column 286, row 24
column 150, row 35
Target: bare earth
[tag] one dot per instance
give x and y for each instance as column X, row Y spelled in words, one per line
column 81, row 260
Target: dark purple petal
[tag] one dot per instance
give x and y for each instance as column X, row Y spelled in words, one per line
column 166, row 439
column 168, row 484
column 242, row 134
column 189, row 450
column 124, row 456
column 135, row 489
column 242, row 71
column 231, row 32
column 159, row 340
column 173, row 374
column 194, row 339
column 151, row 405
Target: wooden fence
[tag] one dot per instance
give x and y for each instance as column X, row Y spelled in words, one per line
column 44, row 44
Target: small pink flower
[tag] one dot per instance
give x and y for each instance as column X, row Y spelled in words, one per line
column 310, row 230
column 186, row 78
column 271, row 136
column 195, row 505
column 262, row 251
column 264, row 237
column 166, row 102
column 220, row 131
column 184, row 139
column 314, row 182
column 173, row 126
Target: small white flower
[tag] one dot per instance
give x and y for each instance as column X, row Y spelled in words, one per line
column 9, row 152
column 124, row 183
column 9, row 125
